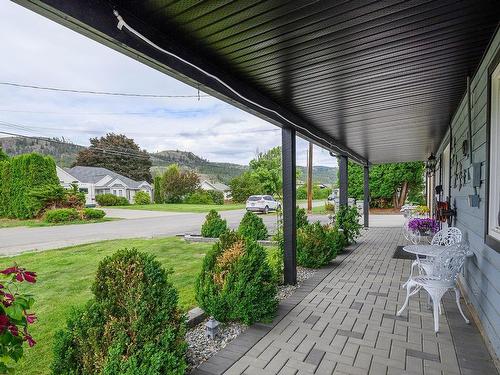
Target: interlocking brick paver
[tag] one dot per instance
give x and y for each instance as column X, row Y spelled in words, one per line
column 342, row 321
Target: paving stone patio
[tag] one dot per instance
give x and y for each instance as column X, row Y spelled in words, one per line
column 342, row 321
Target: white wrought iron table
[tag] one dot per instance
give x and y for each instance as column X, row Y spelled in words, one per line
column 429, row 250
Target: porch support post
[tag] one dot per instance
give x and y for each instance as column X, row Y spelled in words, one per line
column 366, row 200
column 342, row 160
column 289, row 194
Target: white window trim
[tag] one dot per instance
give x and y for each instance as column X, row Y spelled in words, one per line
column 494, row 162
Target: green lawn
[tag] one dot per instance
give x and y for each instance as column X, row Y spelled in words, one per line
column 65, row 276
column 9, row 223
column 184, row 207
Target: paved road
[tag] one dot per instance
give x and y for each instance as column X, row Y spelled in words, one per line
column 135, row 223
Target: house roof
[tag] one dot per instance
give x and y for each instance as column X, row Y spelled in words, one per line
column 93, row 175
column 217, row 185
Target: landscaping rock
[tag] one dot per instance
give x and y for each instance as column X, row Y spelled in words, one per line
column 200, row 347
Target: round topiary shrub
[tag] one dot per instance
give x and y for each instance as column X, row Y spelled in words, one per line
column 314, row 247
column 236, row 283
column 131, row 326
column 141, row 197
column 214, row 225
column 252, row 227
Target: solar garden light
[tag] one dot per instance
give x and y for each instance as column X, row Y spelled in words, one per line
column 211, row 328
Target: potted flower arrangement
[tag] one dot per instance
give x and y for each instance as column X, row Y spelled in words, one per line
column 424, row 226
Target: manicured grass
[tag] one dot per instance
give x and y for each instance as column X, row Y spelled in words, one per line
column 9, row 223
column 320, row 210
column 65, row 277
column 184, row 207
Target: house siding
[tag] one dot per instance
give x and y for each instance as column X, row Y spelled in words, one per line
column 481, row 275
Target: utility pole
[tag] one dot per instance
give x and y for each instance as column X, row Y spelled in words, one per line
column 309, row 178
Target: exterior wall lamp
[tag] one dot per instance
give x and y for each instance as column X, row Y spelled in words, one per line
column 430, row 165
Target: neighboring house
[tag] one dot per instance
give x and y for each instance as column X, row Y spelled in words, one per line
column 96, row 180
column 217, row 186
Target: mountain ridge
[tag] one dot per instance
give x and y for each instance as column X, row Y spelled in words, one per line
column 65, row 155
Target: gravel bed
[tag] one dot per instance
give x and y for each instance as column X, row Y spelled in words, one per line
column 285, row 291
column 200, row 348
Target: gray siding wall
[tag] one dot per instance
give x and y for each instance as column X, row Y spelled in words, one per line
column 481, row 277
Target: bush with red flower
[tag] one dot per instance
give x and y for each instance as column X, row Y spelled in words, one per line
column 15, row 317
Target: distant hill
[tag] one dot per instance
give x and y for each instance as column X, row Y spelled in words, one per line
column 222, row 172
column 65, row 155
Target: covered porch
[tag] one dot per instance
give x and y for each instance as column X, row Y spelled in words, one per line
column 372, row 82
column 343, row 321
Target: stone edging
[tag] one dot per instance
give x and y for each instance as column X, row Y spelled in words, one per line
column 194, row 238
column 228, row 356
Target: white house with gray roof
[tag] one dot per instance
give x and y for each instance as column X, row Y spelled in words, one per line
column 96, row 180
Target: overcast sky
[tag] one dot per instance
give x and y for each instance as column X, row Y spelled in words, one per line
column 37, row 51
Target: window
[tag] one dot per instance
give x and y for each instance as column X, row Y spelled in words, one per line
column 494, row 159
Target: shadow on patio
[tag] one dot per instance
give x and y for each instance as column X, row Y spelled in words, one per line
column 343, row 321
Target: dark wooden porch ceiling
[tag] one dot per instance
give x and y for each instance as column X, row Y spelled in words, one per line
column 380, row 79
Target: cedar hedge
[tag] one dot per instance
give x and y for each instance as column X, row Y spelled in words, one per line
column 19, row 175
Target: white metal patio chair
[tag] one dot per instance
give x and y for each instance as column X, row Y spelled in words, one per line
column 445, row 270
column 445, row 237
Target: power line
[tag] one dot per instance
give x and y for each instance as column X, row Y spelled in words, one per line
column 93, row 92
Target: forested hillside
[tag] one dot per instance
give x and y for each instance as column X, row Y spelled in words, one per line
column 65, row 155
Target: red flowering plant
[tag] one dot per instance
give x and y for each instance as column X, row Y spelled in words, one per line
column 15, row 317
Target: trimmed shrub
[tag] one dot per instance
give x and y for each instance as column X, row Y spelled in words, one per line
column 61, row 215
column 236, row 282
column 111, row 200
column 347, row 219
column 106, row 199
column 199, row 197
column 252, row 227
column 301, row 218
column 214, row 225
column 131, row 326
column 217, row 196
column 314, row 248
column 122, row 201
column 93, row 214
column 141, row 197
column 275, row 261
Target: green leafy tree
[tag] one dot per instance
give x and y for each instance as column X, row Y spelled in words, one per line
column 177, row 183
column 266, row 167
column 245, row 185
column 118, row 153
column 390, row 183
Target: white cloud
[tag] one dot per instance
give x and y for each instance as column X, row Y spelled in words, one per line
column 38, row 51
